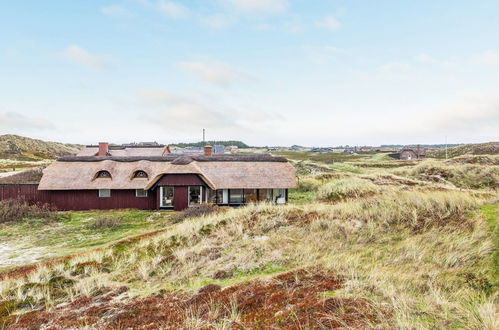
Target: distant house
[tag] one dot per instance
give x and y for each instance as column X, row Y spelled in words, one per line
column 111, row 177
column 218, row 149
column 411, row 154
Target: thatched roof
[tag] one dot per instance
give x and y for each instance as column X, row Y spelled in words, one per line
column 125, row 151
column 218, row 172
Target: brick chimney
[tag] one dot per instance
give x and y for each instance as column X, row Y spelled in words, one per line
column 208, row 151
column 103, row 149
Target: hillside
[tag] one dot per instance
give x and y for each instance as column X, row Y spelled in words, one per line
column 490, row 148
column 23, row 148
column 411, row 247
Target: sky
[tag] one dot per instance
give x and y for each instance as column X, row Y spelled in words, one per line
column 267, row 72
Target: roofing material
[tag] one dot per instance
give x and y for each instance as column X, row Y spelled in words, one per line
column 218, row 172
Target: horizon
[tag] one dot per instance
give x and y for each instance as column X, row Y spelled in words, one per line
column 266, row 72
column 96, row 144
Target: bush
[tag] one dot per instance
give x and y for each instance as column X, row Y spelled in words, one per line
column 196, row 211
column 28, row 176
column 106, row 222
column 462, row 176
column 346, row 188
column 308, row 184
column 15, row 210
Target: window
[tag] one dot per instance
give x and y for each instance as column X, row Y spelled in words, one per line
column 211, row 196
column 166, row 196
column 280, row 196
column 195, row 195
column 265, row 195
column 140, row 193
column 249, row 195
column 236, row 196
column 223, row 196
column 103, row 175
column 104, row 193
column 140, row 175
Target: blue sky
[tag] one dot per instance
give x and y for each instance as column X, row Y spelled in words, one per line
column 268, row 72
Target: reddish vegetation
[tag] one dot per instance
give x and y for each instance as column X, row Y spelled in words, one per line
column 26, row 270
column 291, row 300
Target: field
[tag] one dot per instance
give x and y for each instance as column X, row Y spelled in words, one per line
column 366, row 241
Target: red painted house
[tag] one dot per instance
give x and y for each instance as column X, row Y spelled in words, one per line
column 150, row 177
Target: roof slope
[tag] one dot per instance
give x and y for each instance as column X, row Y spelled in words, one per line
column 218, row 172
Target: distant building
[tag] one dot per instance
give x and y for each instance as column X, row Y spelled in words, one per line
column 411, row 154
column 219, row 149
column 322, row 149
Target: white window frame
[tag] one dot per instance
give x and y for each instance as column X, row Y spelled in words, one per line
column 189, row 195
column 141, row 196
column 104, row 193
column 161, row 189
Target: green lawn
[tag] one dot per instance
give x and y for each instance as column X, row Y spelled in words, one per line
column 35, row 240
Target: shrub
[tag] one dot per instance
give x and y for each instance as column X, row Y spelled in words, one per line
column 106, row 222
column 346, row 188
column 15, row 210
column 462, row 176
column 29, row 176
column 196, row 211
column 308, row 184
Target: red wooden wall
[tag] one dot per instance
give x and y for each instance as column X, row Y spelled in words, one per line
column 79, row 199
column 180, row 180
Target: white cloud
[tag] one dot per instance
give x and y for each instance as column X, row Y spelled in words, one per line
column 78, row 55
column 396, row 66
column 218, row 21
column 173, row 9
column 449, row 63
column 329, row 23
column 323, row 54
column 14, row 121
column 488, row 58
column 215, row 72
column 116, row 11
column 423, row 58
column 179, row 112
column 259, row 6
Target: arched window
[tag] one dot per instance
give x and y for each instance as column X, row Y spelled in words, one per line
column 140, row 175
column 103, row 175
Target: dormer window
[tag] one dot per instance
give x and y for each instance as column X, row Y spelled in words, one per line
column 103, row 175
column 140, row 175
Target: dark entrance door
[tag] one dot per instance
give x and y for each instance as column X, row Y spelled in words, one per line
column 180, row 198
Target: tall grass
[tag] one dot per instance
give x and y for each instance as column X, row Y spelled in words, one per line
column 15, row 210
column 411, row 252
column 346, row 188
column 463, row 176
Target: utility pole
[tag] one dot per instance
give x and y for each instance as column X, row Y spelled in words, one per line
column 204, row 141
column 446, row 147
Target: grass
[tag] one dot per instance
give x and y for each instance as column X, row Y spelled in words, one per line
column 346, row 188
column 462, row 176
column 420, row 254
column 491, row 214
column 71, row 232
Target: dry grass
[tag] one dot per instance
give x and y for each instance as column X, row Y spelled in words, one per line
column 418, row 255
column 346, row 188
column 15, row 210
column 462, row 176
column 31, row 176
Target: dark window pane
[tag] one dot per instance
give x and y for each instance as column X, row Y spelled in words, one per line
column 265, row 195
column 249, row 195
column 236, row 196
column 194, row 195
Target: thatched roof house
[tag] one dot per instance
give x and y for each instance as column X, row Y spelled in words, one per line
column 170, row 180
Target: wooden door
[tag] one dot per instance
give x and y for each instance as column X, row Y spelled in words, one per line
column 180, row 198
